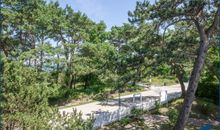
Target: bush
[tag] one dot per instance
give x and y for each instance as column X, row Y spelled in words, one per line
column 71, row 120
column 125, row 121
column 102, row 96
column 206, row 107
column 136, row 112
column 165, row 127
column 173, row 115
column 208, row 90
column 157, row 107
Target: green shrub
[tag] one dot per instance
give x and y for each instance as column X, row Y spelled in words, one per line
column 125, row 121
column 173, row 115
column 205, row 109
column 102, row 96
column 157, row 107
column 136, row 112
column 208, row 90
column 69, row 121
column 205, row 106
column 163, row 69
column 166, row 127
column 141, row 123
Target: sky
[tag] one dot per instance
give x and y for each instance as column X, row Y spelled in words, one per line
column 112, row 12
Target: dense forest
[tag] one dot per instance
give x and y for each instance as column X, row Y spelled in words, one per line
column 50, row 55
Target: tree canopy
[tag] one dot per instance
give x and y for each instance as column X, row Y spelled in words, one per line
column 48, row 52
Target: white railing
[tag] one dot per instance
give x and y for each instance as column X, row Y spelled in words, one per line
column 105, row 118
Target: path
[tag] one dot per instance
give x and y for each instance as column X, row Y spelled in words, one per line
column 99, row 108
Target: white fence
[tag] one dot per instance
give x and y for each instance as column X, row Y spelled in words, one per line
column 105, row 118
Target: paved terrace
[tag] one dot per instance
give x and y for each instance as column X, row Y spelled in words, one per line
column 108, row 111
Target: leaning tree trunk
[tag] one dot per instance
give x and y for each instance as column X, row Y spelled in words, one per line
column 197, row 68
column 193, row 82
column 179, row 71
column 182, row 85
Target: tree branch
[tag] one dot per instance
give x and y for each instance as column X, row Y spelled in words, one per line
column 202, row 33
column 214, row 25
column 3, row 47
column 185, row 19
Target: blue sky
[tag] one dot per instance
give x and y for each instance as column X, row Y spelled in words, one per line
column 112, row 12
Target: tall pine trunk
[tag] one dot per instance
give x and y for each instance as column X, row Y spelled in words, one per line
column 197, row 69
column 193, row 82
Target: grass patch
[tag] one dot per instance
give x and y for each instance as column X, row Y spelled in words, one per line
column 202, row 108
column 161, row 80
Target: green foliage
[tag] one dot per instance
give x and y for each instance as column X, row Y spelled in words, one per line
column 208, row 90
column 173, row 115
column 25, row 95
column 136, row 112
column 160, row 80
column 205, row 108
column 1, row 79
column 71, row 120
column 166, row 13
column 163, row 69
column 58, row 54
column 212, row 64
column 208, row 86
column 125, row 121
column 94, row 64
column 157, row 107
column 134, row 119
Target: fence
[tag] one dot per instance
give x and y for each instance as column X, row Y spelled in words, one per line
column 105, row 118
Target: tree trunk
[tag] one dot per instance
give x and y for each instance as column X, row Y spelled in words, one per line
column 71, row 81
column 179, row 72
column 134, row 82
column 41, row 60
column 182, row 85
column 69, row 74
column 57, row 73
column 58, row 66
column 41, row 54
column 193, row 82
column 35, row 62
column 74, row 82
column 11, row 125
column 3, row 48
column 87, row 81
